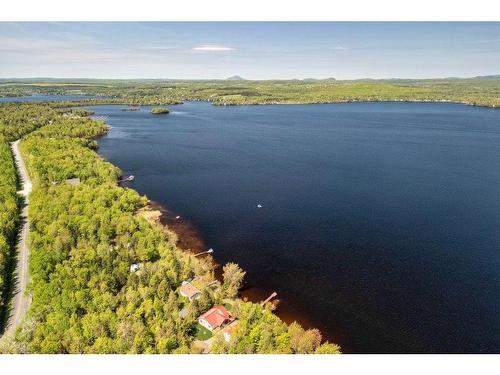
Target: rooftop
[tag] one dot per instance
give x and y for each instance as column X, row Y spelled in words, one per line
column 188, row 290
column 216, row 316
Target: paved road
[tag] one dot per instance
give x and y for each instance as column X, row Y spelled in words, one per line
column 20, row 300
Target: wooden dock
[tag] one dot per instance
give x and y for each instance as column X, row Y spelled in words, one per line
column 268, row 299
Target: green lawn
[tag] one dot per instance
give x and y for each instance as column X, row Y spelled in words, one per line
column 229, row 307
column 202, row 333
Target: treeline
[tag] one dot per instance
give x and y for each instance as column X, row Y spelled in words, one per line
column 72, row 127
column 19, row 119
column 53, row 160
column 85, row 299
column 474, row 91
column 16, row 120
column 84, row 239
column 259, row 331
column 9, row 219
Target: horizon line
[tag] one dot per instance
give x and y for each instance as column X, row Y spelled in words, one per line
column 250, row 79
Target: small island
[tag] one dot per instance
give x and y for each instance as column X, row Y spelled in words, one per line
column 159, row 110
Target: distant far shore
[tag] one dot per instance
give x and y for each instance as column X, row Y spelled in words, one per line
column 478, row 91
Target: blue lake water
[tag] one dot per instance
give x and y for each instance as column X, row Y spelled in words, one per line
column 380, row 222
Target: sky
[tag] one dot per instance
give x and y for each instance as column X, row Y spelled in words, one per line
column 273, row 50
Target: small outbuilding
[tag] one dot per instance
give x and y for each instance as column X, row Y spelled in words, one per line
column 73, row 181
column 183, row 313
column 189, row 291
column 135, row 267
column 229, row 331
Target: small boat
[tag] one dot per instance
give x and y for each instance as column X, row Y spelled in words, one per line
column 259, row 206
column 129, row 178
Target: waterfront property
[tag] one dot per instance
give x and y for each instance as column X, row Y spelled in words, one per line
column 214, row 318
column 189, row 291
column 389, row 209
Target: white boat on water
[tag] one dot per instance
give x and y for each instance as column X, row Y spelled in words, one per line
column 129, row 178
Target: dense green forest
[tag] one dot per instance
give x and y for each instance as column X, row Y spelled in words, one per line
column 15, row 120
column 484, row 91
column 84, row 239
column 8, row 219
column 18, row 119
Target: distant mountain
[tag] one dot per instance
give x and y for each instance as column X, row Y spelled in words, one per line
column 493, row 76
column 235, row 78
column 318, row 79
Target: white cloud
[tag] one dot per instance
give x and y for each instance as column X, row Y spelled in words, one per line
column 212, row 48
column 339, row 48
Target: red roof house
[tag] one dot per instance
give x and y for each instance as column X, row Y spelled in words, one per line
column 215, row 317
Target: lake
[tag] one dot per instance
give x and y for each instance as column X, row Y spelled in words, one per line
column 379, row 222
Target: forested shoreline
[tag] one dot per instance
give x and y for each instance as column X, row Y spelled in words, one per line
column 479, row 91
column 103, row 278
